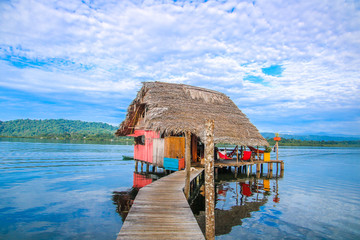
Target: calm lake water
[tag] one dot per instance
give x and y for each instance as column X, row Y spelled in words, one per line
column 58, row 190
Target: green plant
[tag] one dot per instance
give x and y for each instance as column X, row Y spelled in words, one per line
column 267, row 149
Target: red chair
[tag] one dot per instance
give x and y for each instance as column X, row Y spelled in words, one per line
column 224, row 156
column 246, row 156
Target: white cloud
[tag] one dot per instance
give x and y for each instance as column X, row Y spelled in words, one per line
column 110, row 47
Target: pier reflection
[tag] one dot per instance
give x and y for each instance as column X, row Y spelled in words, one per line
column 236, row 198
column 124, row 199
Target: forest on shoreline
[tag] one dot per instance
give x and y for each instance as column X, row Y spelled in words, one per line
column 62, row 129
column 298, row 142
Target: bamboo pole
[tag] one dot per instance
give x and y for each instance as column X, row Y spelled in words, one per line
column 209, row 181
column 187, row 163
column 237, row 155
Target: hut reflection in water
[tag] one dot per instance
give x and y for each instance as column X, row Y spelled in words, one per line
column 236, row 198
column 124, row 199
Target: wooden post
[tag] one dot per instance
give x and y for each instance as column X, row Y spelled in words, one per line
column 142, row 165
column 270, row 167
column 209, row 181
column 277, row 150
column 257, row 152
column 242, row 152
column 136, row 166
column 147, row 167
column 282, row 173
column 282, row 166
column 237, row 155
column 258, row 167
column 187, row 163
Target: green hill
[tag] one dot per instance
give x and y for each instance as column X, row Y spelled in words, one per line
column 57, row 128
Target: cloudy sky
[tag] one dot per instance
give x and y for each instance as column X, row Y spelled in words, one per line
column 291, row 66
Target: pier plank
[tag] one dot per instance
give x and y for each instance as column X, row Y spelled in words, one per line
column 161, row 211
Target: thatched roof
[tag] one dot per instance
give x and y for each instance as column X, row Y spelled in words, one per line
column 175, row 108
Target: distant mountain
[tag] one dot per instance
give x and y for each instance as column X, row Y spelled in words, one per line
column 315, row 137
column 56, row 128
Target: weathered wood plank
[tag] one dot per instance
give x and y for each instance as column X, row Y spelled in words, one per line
column 161, row 211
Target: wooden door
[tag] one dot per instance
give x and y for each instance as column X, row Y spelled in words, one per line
column 174, row 147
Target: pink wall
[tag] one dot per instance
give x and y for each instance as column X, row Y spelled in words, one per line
column 145, row 152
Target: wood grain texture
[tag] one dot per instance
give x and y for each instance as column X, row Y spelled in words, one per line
column 161, row 211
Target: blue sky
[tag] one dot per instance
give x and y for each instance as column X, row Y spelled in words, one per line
column 290, row 66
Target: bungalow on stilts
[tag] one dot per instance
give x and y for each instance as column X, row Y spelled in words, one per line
column 172, row 122
column 162, row 112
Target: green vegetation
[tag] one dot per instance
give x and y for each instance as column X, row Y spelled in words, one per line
column 95, row 131
column 298, row 142
column 59, row 129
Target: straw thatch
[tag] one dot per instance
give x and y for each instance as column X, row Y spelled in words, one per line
column 175, row 108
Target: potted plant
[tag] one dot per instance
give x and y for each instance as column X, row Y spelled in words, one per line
column 267, row 154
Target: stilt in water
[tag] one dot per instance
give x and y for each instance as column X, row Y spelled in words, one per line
column 136, row 166
column 282, row 173
column 258, row 167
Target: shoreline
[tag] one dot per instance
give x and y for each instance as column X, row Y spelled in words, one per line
column 128, row 141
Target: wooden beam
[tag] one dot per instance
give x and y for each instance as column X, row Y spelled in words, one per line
column 187, row 163
column 209, row 181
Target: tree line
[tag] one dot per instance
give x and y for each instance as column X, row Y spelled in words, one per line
column 298, row 142
column 58, row 129
column 79, row 130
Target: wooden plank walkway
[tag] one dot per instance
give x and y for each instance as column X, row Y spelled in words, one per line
column 161, row 211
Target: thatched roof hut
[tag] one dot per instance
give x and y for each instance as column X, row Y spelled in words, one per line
column 175, row 108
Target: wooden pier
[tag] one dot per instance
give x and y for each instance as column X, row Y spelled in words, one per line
column 246, row 166
column 161, row 211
